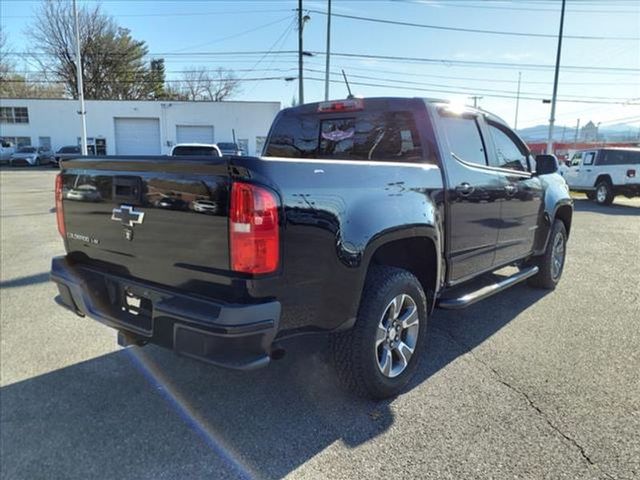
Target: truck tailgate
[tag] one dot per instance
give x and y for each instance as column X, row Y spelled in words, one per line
column 161, row 219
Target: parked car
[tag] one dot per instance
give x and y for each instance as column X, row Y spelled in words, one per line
column 205, row 206
column 84, row 193
column 31, row 156
column 66, row 152
column 6, row 150
column 229, row 148
column 362, row 217
column 196, row 149
column 603, row 173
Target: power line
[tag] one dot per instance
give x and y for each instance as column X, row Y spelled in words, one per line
column 471, row 90
column 179, row 14
column 471, row 30
column 235, row 35
column 447, row 62
column 144, row 80
column 495, row 95
column 474, row 78
column 530, row 9
column 441, row 61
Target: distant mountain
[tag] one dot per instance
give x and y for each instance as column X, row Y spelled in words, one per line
column 619, row 131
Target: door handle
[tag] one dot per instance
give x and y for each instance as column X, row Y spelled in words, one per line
column 588, row 170
column 464, row 189
column 510, row 189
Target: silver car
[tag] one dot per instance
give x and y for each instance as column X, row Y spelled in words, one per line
column 31, row 156
column 66, row 152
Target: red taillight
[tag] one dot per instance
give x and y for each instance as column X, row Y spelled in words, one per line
column 254, row 239
column 342, row 105
column 59, row 211
column 631, row 173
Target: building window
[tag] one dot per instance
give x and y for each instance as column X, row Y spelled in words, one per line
column 14, row 115
column 17, row 141
column 45, row 142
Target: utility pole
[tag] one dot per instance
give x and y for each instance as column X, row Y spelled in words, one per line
column 326, row 73
column 552, row 118
column 515, row 124
column 300, row 79
column 475, row 100
column 575, row 138
column 82, row 112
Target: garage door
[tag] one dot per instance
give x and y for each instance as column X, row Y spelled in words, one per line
column 194, row 133
column 137, row 136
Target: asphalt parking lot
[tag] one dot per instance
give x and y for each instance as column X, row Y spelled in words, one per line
column 527, row 384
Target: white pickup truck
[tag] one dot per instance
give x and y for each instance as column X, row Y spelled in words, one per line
column 6, row 150
column 603, row 173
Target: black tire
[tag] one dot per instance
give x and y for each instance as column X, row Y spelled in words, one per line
column 604, row 193
column 549, row 276
column 37, row 162
column 355, row 353
column 591, row 195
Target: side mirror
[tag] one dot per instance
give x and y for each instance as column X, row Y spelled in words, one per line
column 546, row 164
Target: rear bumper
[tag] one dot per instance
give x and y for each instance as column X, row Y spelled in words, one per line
column 228, row 335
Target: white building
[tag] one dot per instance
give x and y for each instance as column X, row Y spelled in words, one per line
column 136, row 127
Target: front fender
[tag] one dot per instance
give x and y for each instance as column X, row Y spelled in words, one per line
column 556, row 196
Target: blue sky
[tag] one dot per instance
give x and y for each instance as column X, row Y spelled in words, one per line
column 185, row 28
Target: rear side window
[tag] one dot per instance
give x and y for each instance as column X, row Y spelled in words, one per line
column 618, row 157
column 463, row 136
column 383, row 136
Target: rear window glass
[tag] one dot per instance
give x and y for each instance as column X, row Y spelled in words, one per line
column 195, row 151
column 70, row 150
column 382, row 136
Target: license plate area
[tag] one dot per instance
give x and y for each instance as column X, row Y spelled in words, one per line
column 136, row 309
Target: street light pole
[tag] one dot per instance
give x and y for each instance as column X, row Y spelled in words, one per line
column 326, row 73
column 82, row 112
column 552, row 118
column 300, row 79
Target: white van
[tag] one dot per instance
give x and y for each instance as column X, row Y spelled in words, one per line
column 603, row 173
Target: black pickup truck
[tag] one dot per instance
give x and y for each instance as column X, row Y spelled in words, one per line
column 361, row 217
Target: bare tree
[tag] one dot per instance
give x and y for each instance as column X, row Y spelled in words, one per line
column 200, row 84
column 112, row 61
column 14, row 84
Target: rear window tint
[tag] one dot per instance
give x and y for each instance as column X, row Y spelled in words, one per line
column 618, row 157
column 195, row 151
column 382, row 136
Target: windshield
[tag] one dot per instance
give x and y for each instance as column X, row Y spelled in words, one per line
column 193, row 150
column 27, row 150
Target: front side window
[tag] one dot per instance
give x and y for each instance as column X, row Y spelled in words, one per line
column 463, row 136
column 507, row 153
column 575, row 161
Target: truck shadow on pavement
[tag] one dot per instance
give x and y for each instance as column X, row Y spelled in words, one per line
column 146, row 413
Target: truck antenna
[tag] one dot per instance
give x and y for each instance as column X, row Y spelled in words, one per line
column 344, row 75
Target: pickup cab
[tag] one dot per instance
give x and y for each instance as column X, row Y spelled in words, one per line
column 360, row 218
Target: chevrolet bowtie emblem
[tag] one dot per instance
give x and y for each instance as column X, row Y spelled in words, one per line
column 127, row 216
